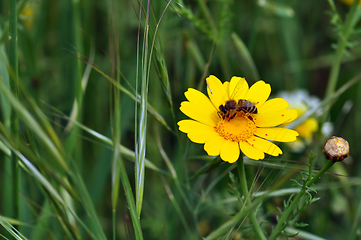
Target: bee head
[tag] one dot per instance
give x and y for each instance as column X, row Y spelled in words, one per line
column 222, row 109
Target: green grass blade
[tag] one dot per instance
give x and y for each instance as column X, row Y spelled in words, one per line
column 43, row 223
column 115, row 172
column 4, row 77
column 174, row 176
column 20, row 6
column 177, row 208
column 224, row 228
column 11, row 229
column 13, row 72
column 126, row 152
column 130, row 200
column 5, row 149
column 34, row 126
column 141, row 141
column 72, row 143
column 143, row 118
column 136, row 98
column 250, row 69
column 89, row 206
column 5, row 113
column 53, row 193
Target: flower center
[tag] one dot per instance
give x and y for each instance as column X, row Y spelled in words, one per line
column 238, row 129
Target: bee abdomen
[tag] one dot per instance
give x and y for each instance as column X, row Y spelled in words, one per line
column 247, row 106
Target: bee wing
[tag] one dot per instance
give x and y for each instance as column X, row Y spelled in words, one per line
column 216, row 92
column 238, row 88
column 210, row 94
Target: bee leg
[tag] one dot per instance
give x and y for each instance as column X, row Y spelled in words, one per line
column 233, row 116
column 250, row 118
column 220, row 115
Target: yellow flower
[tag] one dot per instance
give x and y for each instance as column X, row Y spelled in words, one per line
column 226, row 129
column 302, row 101
column 307, row 128
column 310, row 125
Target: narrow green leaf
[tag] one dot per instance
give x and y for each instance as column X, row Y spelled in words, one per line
column 250, row 69
column 130, row 200
column 177, row 208
column 136, row 98
column 123, row 150
column 141, row 141
column 11, row 229
column 53, row 193
column 33, row 125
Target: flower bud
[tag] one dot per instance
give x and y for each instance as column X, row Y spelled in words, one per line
column 336, row 149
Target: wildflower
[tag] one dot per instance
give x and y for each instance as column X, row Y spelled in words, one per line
column 336, row 149
column 227, row 125
column 301, row 101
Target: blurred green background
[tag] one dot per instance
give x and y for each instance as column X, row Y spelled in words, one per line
column 289, row 44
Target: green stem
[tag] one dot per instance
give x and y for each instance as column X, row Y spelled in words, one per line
column 244, row 189
column 5, row 30
column 13, row 61
column 208, row 15
column 280, row 225
column 348, row 28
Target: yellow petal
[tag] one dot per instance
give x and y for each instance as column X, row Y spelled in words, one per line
column 188, row 125
column 250, row 151
column 213, row 145
column 273, row 105
column 275, row 118
column 216, row 91
column 197, row 132
column 277, row 134
column 230, row 151
column 202, row 115
column 201, row 137
column 258, row 93
column 226, row 87
column 198, row 98
column 309, row 126
column 264, row 146
column 237, row 88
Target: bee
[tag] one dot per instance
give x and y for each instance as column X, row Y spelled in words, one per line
column 231, row 108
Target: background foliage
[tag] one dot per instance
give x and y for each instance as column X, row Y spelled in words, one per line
column 74, row 183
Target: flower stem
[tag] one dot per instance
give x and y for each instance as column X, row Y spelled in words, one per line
column 244, row 189
column 348, row 28
column 280, row 225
